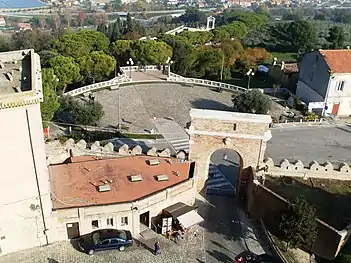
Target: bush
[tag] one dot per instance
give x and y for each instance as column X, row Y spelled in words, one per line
column 252, row 101
column 80, row 112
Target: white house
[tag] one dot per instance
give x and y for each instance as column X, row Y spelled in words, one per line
column 325, row 82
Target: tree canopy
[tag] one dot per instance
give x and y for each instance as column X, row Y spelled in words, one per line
column 96, row 65
column 298, row 224
column 336, row 37
column 50, row 104
column 252, row 101
column 66, row 69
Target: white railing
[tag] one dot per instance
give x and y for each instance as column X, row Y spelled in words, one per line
column 176, row 30
column 138, row 68
column 100, row 85
column 177, row 78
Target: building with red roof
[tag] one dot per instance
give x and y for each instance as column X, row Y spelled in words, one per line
column 325, row 82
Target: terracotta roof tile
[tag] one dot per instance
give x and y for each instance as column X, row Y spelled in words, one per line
column 338, row 60
column 290, row 68
column 72, row 183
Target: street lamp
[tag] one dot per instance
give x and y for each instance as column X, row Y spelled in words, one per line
column 222, row 66
column 131, row 63
column 169, row 62
column 250, row 74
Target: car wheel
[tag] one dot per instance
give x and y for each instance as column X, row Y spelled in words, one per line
column 91, row 252
column 121, row 248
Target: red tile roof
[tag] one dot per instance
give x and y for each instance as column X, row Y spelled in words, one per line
column 290, row 68
column 338, row 60
column 72, row 183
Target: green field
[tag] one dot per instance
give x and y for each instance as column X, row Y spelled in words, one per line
column 286, row 57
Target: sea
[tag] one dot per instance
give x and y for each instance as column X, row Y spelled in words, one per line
column 20, row 3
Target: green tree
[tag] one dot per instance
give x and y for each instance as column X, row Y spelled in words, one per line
column 220, row 34
column 96, row 40
column 72, row 45
column 35, row 39
column 80, row 112
column 151, row 52
column 45, row 56
column 252, row 101
column 97, row 65
column 336, row 37
column 191, row 15
column 123, row 50
column 66, row 69
column 237, row 29
column 298, row 224
column 302, row 34
column 50, row 104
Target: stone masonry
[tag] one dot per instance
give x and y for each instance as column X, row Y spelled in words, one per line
column 210, row 130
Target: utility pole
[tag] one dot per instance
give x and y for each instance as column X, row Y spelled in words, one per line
column 221, row 77
column 119, row 108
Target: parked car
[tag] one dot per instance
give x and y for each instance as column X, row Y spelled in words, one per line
column 249, row 257
column 106, row 239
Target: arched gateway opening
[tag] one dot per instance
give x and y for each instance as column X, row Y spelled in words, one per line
column 223, row 172
column 241, row 136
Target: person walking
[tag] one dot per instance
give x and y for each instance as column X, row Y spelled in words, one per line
column 176, row 237
column 225, row 157
column 157, row 248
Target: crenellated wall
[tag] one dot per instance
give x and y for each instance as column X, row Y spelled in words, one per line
column 58, row 153
column 312, row 170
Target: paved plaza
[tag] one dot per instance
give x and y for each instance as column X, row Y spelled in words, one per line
column 140, row 103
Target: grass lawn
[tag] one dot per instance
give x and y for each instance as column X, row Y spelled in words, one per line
column 256, row 82
column 286, row 57
column 331, row 198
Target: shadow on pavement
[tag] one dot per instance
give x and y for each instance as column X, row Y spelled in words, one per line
column 221, row 257
column 50, row 260
column 141, row 244
column 210, row 105
column 200, row 261
column 220, row 245
column 75, row 244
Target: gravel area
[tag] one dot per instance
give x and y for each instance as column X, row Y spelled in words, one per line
column 140, row 103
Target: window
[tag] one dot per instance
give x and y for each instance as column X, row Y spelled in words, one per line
column 311, row 77
column 109, row 221
column 234, row 127
column 124, row 220
column 105, row 242
column 114, row 241
column 340, row 85
column 317, row 58
column 95, row 224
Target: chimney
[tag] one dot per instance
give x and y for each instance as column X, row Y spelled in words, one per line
column 348, row 47
column 70, row 153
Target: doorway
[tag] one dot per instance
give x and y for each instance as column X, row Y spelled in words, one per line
column 145, row 218
column 335, row 109
column 72, row 230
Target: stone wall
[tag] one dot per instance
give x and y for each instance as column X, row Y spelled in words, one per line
column 262, row 203
column 312, row 170
column 57, row 152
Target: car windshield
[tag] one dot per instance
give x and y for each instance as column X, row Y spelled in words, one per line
column 121, row 234
column 96, row 238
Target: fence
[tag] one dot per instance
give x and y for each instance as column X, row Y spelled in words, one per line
column 177, row 78
column 140, row 68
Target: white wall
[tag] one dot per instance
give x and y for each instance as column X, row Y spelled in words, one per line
column 337, row 96
column 19, row 225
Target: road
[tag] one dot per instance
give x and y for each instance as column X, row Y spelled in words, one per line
column 311, row 143
column 228, row 167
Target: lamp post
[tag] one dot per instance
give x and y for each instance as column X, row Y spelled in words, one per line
column 221, row 77
column 130, row 62
column 169, row 62
column 250, row 73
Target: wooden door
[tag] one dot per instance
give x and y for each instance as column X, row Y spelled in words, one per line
column 335, row 109
column 72, row 230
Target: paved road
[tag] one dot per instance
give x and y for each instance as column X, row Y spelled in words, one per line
column 228, row 167
column 311, row 143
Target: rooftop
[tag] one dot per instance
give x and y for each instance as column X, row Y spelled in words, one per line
column 230, row 116
column 20, row 78
column 338, row 60
column 290, row 68
column 75, row 183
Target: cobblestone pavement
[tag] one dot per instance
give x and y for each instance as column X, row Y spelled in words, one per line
column 140, row 103
column 189, row 250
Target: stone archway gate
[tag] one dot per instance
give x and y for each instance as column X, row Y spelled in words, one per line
column 210, row 130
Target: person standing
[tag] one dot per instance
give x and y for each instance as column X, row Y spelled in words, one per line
column 225, row 157
column 157, row 248
column 176, row 237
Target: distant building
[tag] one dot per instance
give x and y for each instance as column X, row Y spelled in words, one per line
column 24, row 26
column 2, row 21
column 325, row 81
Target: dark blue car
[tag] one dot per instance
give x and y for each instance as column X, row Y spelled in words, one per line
column 106, row 239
